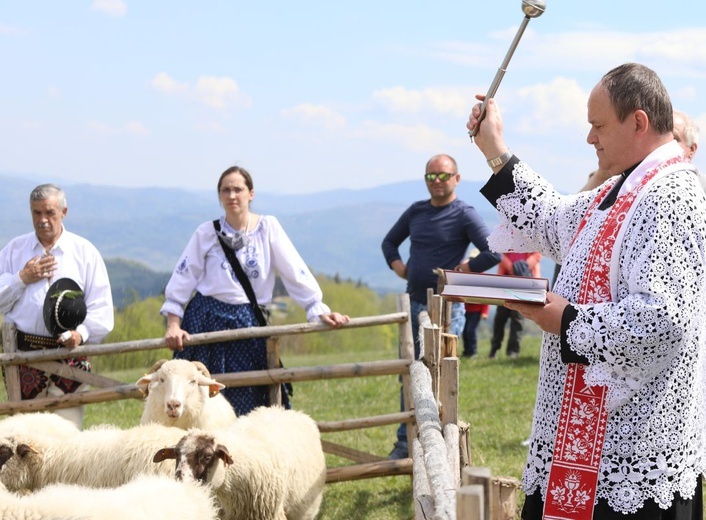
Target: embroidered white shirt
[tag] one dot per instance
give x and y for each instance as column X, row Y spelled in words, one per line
column 203, row 267
column 648, row 345
column 77, row 259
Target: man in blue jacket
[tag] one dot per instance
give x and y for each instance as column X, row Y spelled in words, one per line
column 440, row 230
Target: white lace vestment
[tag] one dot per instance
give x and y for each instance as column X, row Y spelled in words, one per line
column 647, row 345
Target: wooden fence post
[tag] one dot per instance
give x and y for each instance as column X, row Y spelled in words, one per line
column 469, row 503
column 12, row 372
column 406, row 351
column 273, row 362
column 482, row 477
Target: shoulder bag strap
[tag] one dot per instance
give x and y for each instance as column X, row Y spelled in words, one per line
column 240, row 274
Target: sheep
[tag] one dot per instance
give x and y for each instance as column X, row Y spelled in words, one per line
column 273, row 465
column 145, row 498
column 102, row 456
column 178, row 394
column 48, row 423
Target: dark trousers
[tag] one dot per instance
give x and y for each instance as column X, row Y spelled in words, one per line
column 513, row 342
column 681, row 509
column 470, row 337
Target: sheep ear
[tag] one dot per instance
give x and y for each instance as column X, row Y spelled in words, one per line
column 23, row 449
column 223, row 454
column 215, row 388
column 144, row 383
column 164, row 454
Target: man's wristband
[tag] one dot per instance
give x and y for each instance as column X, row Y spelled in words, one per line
column 499, row 160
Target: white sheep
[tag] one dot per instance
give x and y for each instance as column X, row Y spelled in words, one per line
column 268, row 466
column 48, row 423
column 145, row 498
column 97, row 457
column 182, row 394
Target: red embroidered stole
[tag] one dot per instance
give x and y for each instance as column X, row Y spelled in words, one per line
column 573, row 477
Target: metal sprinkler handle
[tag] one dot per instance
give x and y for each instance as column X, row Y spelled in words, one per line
column 532, row 9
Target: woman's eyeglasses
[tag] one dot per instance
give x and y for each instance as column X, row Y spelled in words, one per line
column 442, row 176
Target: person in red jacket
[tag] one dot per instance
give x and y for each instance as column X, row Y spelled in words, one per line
column 519, row 264
column 474, row 313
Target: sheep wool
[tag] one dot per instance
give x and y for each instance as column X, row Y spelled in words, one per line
column 102, row 456
column 145, row 498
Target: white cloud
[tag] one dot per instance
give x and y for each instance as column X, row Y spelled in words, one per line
column 315, row 115
column 418, row 138
column 448, row 101
column 213, row 92
column 111, row 7
column 550, row 107
column 679, row 51
column 164, row 83
column 219, row 92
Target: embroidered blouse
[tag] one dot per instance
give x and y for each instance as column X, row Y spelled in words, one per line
column 268, row 251
column 647, row 345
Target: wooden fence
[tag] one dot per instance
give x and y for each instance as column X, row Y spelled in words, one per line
column 439, row 448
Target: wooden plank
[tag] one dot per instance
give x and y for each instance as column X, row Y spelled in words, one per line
column 385, row 468
column 17, row 358
column 69, row 400
column 63, row 370
column 423, row 501
column 482, row 477
column 451, row 438
column 12, row 373
column 406, row 352
column 448, row 390
column 349, row 453
column 469, row 503
column 365, row 422
column 273, row 362
column 441, row 482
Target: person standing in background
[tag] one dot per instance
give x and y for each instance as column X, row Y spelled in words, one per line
column 440, row 230
column 29, row 265
column 517, row 264
column 204, row 293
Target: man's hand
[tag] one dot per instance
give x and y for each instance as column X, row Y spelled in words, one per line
column 547, row 316
column 489, row 138
column 38, row 268
column 70, row 339
column 400, row 268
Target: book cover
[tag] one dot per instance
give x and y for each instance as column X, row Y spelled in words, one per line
column 493, row 289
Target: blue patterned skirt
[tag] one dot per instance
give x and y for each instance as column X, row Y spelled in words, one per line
column 207, row 314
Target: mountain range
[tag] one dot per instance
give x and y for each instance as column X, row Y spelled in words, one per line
column 337, row 232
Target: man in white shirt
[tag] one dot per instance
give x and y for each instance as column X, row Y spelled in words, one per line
column 29, row 264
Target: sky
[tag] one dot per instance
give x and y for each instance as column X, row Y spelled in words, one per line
column 311, row 96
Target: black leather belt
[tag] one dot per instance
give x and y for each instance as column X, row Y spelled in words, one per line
column 27, row 342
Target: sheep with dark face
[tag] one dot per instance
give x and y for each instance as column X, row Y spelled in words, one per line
column 268, row 466
column 183, row 394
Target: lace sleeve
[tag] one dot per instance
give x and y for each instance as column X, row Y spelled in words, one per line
column 535, row 217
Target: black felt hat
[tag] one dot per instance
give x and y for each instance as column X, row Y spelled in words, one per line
column 64, row 306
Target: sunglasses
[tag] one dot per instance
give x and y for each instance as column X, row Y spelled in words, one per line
column 442, row 176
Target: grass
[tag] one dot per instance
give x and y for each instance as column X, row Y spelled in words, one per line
column 496, row 399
